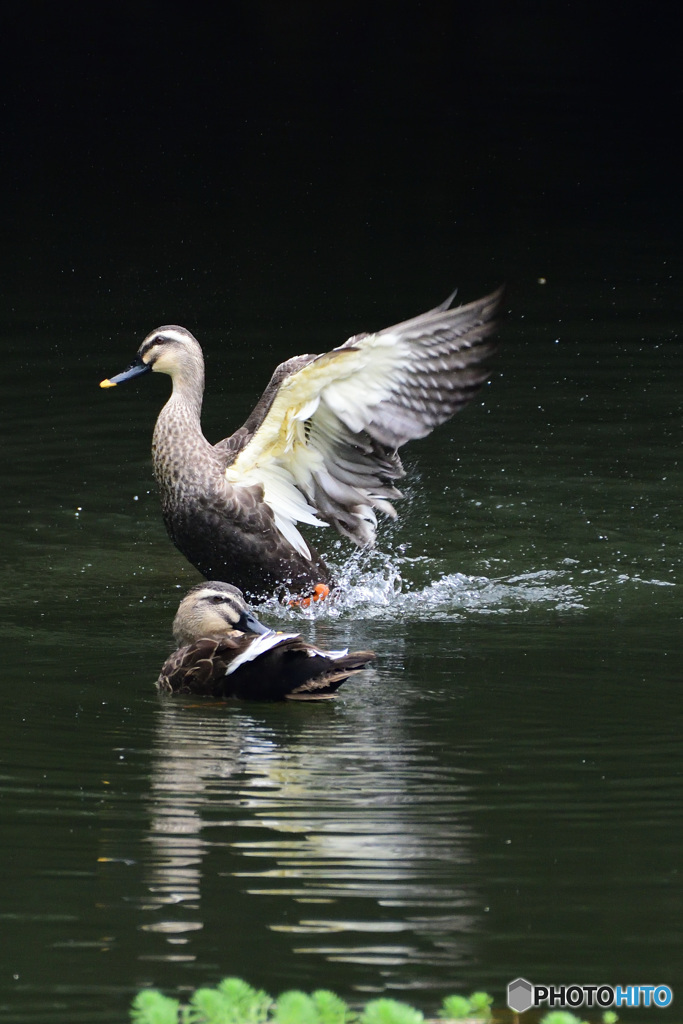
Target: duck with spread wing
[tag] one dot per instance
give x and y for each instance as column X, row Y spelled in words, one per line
column 320, row 447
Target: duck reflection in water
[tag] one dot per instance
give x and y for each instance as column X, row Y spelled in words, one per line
column 251, row 838
column 226, row 652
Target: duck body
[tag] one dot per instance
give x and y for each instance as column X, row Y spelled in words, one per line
column 275, row 667
column 223, row 529
column 320, row 447
column 243, row 659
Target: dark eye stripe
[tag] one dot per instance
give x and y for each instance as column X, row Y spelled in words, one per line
column 216, row 597
column 149, row 345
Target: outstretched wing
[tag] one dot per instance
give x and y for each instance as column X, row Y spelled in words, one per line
column 325, row 449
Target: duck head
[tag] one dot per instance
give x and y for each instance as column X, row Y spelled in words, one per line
column 213, row 609
column 171, row 350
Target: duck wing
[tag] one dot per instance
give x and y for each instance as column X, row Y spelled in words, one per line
column 322, row 442
column 277, row 666
column 199, row 667
column 270, row 666
column 234, row 444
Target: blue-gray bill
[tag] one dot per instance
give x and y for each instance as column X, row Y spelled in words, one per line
column 136, row 368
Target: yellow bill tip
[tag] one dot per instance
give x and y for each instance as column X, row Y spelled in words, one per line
column 107, row 383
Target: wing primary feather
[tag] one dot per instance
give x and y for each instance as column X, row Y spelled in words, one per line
column 325, row 448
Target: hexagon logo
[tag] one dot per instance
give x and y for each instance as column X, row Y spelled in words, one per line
column 520, row 995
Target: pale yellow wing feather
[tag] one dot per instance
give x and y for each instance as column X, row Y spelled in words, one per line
column 325, row 451
column 296, row 401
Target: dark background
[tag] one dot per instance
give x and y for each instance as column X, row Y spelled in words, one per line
column 277, row 177
column 291, row 163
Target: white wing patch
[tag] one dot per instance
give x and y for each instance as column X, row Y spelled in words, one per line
column 259, row 645
column 293, row 456
column 334, row 655
column 326, row 449
column 287, row 502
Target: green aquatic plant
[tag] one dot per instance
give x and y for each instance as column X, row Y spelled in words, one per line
column 331, row 1009
column 233, row 1001
column 478, row 1007
column 295, row 1008
column 480, row 1004
column 322, row 1007
column 561, row 1017
column 389, row 1011
column 151, row 1007
column 455, row 1008
column 565, row 1017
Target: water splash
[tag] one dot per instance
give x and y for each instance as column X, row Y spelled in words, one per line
column 380, row 585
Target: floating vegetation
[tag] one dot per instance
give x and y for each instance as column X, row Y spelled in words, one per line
column 233, row 1001
column 565, row 1017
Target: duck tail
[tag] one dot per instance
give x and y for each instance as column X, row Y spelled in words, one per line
column 355, row 661
column 324, row 686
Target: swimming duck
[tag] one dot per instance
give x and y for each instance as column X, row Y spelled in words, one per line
column 226, row 652
column 320, row 447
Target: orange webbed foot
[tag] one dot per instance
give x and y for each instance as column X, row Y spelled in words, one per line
column 320, row 592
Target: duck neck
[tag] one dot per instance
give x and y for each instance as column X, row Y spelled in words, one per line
column 188, row 391
column 179, row 447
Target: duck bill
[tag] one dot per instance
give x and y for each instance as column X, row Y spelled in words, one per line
column 248, row 623
column 136, row 368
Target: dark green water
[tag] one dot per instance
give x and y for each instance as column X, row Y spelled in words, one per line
column 501, row 796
